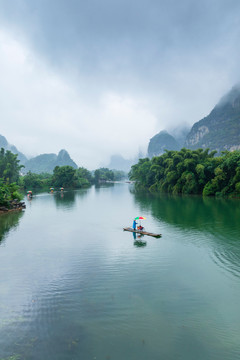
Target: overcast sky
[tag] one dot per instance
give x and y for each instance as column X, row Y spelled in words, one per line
column 101, row 77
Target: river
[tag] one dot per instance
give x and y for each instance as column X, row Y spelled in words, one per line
column 75, row 286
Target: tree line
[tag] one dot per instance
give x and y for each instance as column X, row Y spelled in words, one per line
column 68, row 177
column 11, row 181
column 189, row 172
column 9, row 177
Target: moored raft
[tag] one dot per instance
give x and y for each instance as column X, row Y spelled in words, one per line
column 142, row 232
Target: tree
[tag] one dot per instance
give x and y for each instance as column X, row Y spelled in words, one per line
column 31, row 180
column 103, row 174
column 9, row 166
column 83, row 173
column 8, row 192
column 189, row 172
column 84, row 177
column 64, row 176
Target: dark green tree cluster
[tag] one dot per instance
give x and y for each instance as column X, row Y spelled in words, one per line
column 84, row 176
column 105, row 174
column 8, row 193
column 9, row 166
column 68, row 177
column 189, row 172
column 63, row 176
column 35, row 181
column 9, row 175
column 226, row 178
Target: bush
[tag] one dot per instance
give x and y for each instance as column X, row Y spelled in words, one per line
column 8, row 192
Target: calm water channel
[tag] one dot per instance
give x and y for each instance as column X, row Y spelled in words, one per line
column 74, row 286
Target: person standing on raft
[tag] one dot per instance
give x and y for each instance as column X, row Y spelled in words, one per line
column 134, row 224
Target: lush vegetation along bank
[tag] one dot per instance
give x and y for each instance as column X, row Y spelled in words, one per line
column 9, row 176
column 68, row 177
column 190, row 172
column 63, row 176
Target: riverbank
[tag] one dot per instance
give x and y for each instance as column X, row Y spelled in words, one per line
column 190, row 172
column 14, row 206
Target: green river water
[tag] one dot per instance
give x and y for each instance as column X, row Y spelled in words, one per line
column 75, row 286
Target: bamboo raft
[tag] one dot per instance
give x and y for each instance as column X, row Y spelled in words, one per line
column 142, row 232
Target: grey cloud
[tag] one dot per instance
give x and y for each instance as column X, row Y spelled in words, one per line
column 123, row 34
column 178, row 56
column 130, row 44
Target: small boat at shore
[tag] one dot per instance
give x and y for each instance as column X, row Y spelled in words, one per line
column 142, row 232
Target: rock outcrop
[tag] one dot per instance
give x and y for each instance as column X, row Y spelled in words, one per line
column 220, row 130
column 161, row 142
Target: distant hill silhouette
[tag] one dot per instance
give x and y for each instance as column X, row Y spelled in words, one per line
column 40, row 163
column 117, row 162
column 220, row 130
column 4, row 144
column 47, row 162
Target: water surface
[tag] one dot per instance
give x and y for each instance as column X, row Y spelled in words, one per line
column 75, row 286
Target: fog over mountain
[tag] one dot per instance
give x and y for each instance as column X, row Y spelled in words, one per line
column 102, row 78
column 5, row 145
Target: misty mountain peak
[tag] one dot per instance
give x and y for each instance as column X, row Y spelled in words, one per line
column 220, row 130
column 161, row 142
column 3, row 142
column 232, row 98
column 63, row 155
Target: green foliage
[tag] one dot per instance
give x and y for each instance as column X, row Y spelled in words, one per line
column 64, row 176
column 103, row 174
column 36, row 181
column 119, row 175
column 9, row 166
column 84, row 176
column 189, row 172
column 69, row 177
column 226, row 176
column 237, row 187
column 8, row 192
column 9, row 175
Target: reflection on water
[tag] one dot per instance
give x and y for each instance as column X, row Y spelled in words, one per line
column 140, row 243
column 74, row 285
column 193, row 211
column 8, row 222
column 100, row 186
column 67, row 199
column 64, row 199
column 218, row 217
column 138, row 240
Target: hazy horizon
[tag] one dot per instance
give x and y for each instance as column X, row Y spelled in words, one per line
column 99, row 79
